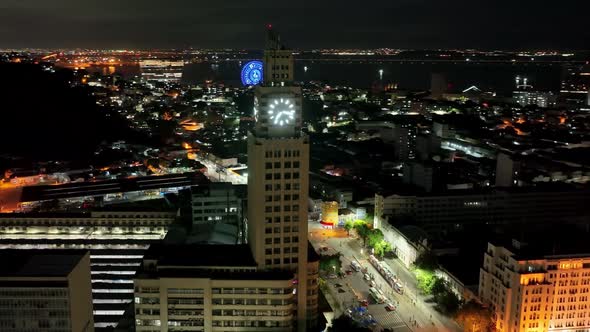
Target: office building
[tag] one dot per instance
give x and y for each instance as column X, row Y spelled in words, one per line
column 116, row 240
column 216, row 202
column 529, row 289
column 541, row 99
column 213, row 288
column 507, row 168
column 420, row 174
column 161, row 70
column 438, row 85
column 45, row 291
column 439, row 211
column 278, row 174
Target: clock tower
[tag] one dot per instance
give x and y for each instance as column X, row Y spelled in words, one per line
column 278, row 174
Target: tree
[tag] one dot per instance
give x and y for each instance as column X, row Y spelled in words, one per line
column 348, row 226
column 439, row 287
column 426, row 280
column 426, row 261
column 383, row 248
column 475, row 318
column 448, row 302
column 374, row 237
column 362, row 229
column 330, row 263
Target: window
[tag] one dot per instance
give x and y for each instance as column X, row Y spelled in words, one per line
column 295, row 186
column 277, row 208
column 277, row 240
column 277, row 176
column 295, row 208
column 287, row 250
column 268, row 198
column 267, row 251
column 277, row 219
column 268, row 187
column 287, row 218
column 276, row 251
column 288, row 197
column 268, row 154
column 295, row 239
column 295, row 164
column 277, row 164
column 267, row 261
column 268, row 209
column 268, row 240
column 268, row 176
column 277, row 261
column 287, row 176
column 287, row 164
column 286, row 229
column 277, row 230
column 295, row 175
column 267, row 220
column 295, row 197
column 277, row 198
column 277, row 154
column 286, row 261
column 268, row 230
column 277, row 186
column 287, row 186
column 268, row 166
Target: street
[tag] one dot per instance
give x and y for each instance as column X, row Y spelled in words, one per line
column 411, row 314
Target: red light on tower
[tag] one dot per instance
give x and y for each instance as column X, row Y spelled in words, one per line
column 269, row 26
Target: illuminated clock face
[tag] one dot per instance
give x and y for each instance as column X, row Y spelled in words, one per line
column 281, row 112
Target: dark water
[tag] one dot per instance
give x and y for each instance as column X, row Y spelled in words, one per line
column 495, row 77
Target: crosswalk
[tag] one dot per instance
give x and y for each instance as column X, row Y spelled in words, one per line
column 387, row 319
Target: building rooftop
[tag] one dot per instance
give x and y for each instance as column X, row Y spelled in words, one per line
column 39, row 263
column 545, row 242
column 99, row 188
column 230, row 255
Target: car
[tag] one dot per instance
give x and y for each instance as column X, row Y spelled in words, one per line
column 332, row 276
column 390, row 307
column 364, row 303
column 338, row 285
column 372, row 283
column 367, row 277
column 340, row 290
column 348, row 272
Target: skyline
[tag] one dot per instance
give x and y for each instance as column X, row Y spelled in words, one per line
column 425, row 24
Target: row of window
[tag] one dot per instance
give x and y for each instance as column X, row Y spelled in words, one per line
column 277, row 251
column 281, row 153
column 277, row 198
column 277, row 208
column 277, row 186
column 277, row 165
column 277, row 220
column 277, row 176
column 277, row 240
column 277, row 261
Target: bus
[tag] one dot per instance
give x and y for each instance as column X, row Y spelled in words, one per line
column 379, row 298
column 398, row 287
column 355, row 266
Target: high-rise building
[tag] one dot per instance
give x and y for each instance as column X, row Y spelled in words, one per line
column 161, row 70
column 531, row 290
column 216, row 202
column 45, row 291
column 278, row 168
column 507, row 169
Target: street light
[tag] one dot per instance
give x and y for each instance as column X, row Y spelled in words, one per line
column 361, row 251
column 380, row 74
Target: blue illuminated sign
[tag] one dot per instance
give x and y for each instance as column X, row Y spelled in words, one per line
column 252, row 73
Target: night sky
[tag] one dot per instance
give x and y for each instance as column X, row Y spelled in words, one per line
column 486, row 24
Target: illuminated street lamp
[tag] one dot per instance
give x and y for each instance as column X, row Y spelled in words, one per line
column 380, row 74
column 305, row 69
column 361, row 251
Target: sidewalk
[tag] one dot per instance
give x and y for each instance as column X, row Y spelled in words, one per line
column 418, row 301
